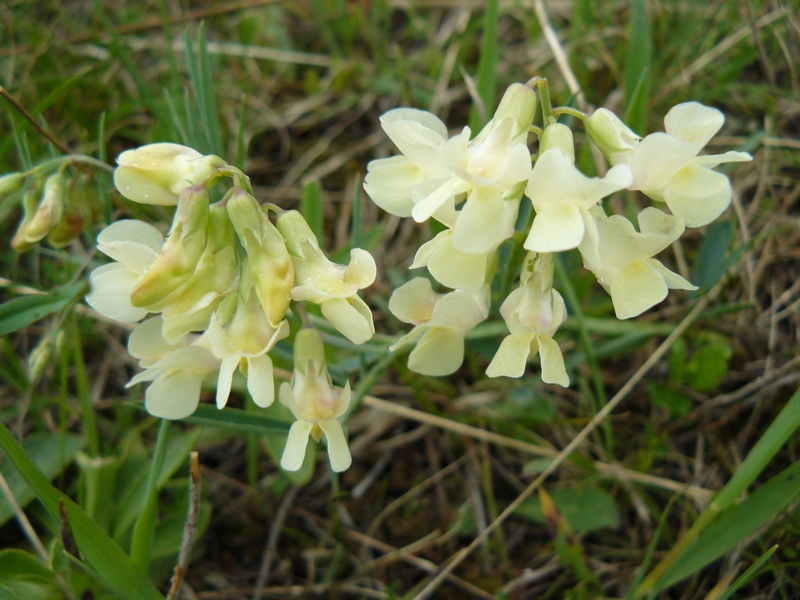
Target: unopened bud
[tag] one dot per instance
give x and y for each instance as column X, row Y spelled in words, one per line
column 518, row 103
column 558, row 136
column 158, row 173
column 268, row 261
column 30, row 202
column 611, row 135
column 180, row 253
column 10, row 183
column 80, row 203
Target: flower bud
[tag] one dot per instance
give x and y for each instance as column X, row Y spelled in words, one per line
column 268, row 261
column 80, row 202
column 30, row 202
column 558, row 136
column 612, row 136
column 216, row 269
column 158, row 173
column 10, row 183
column 180, row 253
column 518, row 103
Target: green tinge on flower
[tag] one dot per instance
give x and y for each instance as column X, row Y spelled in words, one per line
column 135, row 245
column 78, row 209
column 268, row 262
column 621, row 259
column 441, row 323
column 180, row 253
column 176, row 370
column 615, row 139
column 47, row 215
column 30, row 202
column 243, row 343
column 11, row 183
column 315, row 404
column 533, row 312
column 557, row 136
column 519, row 104
column 216, row 272
column 158, row 173
column 334, row 287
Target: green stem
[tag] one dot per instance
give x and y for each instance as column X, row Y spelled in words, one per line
column 55, row 163
column 544, row 97
column 568, row 110
column 784, row 425
column 144, row 529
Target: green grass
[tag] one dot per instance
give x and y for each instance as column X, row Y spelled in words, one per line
column 291, row 93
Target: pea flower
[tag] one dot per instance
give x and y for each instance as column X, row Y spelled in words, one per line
column 434, row 172
column 452, row 267
column 135, row 246
column 176, row 370
column 666, row 166
column 158, row 173
column 243, row 343
column 441, row 321
column 315, row 404
column 334, row 287
column 533, row 313
column 621, row 259
column 562, row 197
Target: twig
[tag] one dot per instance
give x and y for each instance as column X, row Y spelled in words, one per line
column 29, row 117
column 272, row 541
column 459, row 556
column 190, row 529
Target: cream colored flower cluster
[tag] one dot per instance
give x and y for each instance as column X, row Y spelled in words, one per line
column 474, row 187
column 214, row 294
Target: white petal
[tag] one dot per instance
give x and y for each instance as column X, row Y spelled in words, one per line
column 351, row 317
column 130, row 230
column 426, row 207
column 637, row 287
column 697, row 195
column 389, row 182
column 459, row 310
column 552, row 360
column 673, row 280
column 226, row 371
column 712, row 160
column 361, row 271
column 112, row 286
column 511, row 357
column 556, row 228
column 295, row 451
column 656, row 159
column 439, row 352
column 147, row 344
column 260, row 382
column 456, row 269
column 480, row 227
column 338, row 452
column 174, row 395
column 413, row 301
column 693, row 122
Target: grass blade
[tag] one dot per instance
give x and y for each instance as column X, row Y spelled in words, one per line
column 487, row 69
column 114, row 567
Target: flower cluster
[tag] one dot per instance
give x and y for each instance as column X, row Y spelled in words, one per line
column 218, row 289
column 475, row 187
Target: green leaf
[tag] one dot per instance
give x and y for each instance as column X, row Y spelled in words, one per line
column 637, row 67
column 585, row 508
column 709, row 364
column 237, row 420
column 487, row 69
column 23, row 576
column 751, row 572
column 736, row 524
column 676, row 402
column 710, row 265
column 51, row 454
column 103, row 555
column 311, row 206
column 21, row 312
